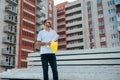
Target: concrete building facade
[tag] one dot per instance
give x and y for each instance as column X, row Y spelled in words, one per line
column 9, row 30
column 91, row 24
column 27, row 35
column 117, row 4
column 75, row 25
column 61, row 25
column 102, row 24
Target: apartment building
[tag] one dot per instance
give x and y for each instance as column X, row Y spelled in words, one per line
column 92, row 24
column 27, row 35
column 61, row 25
column 9, row 31
column 20, row 22
column 101, row 24
column 75, row 25
column 117, row 5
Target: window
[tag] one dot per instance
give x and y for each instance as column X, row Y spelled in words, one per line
column 91, row 33
column 99, row 1
column 118, row 15
column 111, row 19
column 100, row 15
column 112, row 11
column 113, row 27
column 114, row 36
column 91, row 40
column 89, row 11
column 90, row 26
column 89, row 4
column 102, row 31
column 116, row 44
column 102, row 39
column 101, row 23
column 118, row 24
column 90, row 18
column 111, row 3
column 100, row 8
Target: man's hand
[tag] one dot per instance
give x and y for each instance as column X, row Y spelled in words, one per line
column 48, row 43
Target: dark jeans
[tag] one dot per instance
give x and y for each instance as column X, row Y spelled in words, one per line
column 51, row 59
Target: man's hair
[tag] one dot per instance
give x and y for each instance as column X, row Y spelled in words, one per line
column 45, row 21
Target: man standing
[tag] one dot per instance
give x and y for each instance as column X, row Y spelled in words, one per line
column 44, row 39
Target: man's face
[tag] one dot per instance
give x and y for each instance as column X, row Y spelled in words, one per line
column 48, row 23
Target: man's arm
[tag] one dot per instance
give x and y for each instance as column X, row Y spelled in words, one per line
column 39, row 43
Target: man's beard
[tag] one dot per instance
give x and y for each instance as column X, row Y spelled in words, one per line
column 49, row 26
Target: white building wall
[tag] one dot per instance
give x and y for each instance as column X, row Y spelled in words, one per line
column 3, row 24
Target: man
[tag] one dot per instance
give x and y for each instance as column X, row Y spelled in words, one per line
column 44, row 39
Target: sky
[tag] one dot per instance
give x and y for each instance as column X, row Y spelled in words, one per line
column 59, row 1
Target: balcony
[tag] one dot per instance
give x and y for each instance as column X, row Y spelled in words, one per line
column 5, row 63
column 117, row 2
column 11, row 10
column 74, row 30
column 61, row 30
column 40, row 14
column 118, row 26
column 10, row 30
column 38, row 22
column 118, row 16
column 62, row 43
column 62, row 36
column 75, row 45
column 62, row 23
column 8, row 52
column 74, row 37
column 39, row 7
column 9, row 41
column 73, row 23
column 73, row 10
column 13, row 2
column 61, row 17
column 10, row 19
column 39, row 1
column 74, row 17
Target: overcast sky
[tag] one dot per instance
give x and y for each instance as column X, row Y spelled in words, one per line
column 59, row 1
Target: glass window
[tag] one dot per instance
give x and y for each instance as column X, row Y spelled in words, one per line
column 100, row 15
column 89, row 11
column 90, row 18
column 99, row 1
column 114, row 36
column 90, row 25
column 113, row 27
column 89, row 4
column 111, row 3
column 111, row 19
column 116, row 44
column 102, row 39
column 112, row 11
column 100, row 8
column 91, row 40
column 101, row 23
column 102, row 31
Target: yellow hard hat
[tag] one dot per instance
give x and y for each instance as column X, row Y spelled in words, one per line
column 54, row 46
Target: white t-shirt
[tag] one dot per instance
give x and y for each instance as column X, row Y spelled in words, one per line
column 47, row 36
